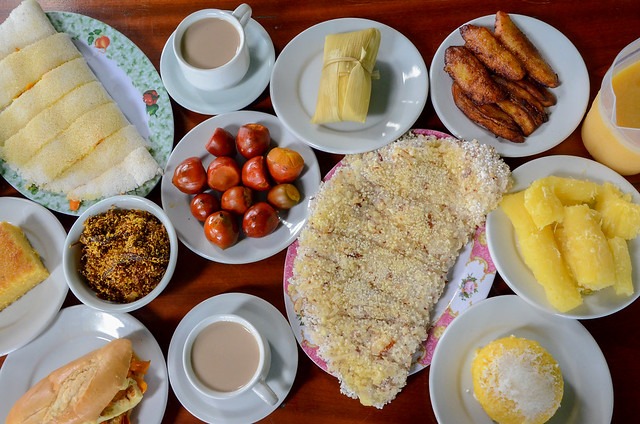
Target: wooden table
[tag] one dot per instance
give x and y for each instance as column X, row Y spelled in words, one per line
column 598, row 29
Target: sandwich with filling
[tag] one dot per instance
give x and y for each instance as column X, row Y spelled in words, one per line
column 102, row 386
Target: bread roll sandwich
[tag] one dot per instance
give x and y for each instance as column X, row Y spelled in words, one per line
column 102, row 386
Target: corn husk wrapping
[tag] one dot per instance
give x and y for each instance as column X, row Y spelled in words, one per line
column 345, row 83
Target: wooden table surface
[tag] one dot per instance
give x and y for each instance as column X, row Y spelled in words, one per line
column 597, row 28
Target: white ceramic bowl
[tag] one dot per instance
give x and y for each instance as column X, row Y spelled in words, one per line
column 72, row 250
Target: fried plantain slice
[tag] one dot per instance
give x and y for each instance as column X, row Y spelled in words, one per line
column 540, row 92
column 518, row 93
column 517, row 42
column 520, row 114
column 474, row 79
column 488, row 116
column 491, row 52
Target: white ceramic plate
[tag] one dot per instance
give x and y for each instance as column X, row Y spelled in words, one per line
column 588, row 393
column 397, row 98
column 26, row 318
column 133, row 82
column 190, row 231
column 262, row 58
column 76, row 331
column 564, row 117
column 503, row 245
column 247, row 407
column 468, row 282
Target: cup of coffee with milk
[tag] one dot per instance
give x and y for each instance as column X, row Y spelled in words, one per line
column 225, row 356
column 211, row 48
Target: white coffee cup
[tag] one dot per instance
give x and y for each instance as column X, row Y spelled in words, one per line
column 224, row 75
column 219, row 360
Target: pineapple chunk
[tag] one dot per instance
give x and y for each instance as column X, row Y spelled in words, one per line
column 585, row 248
column 620, row 250
column 541, row 202
column 545, row 197
column 541, row 254
column 572, row 191
column 620, row 217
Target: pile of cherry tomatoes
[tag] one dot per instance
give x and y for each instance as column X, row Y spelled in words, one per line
column 225, row 193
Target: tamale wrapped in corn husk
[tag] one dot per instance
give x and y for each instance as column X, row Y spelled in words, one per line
column 345, row 83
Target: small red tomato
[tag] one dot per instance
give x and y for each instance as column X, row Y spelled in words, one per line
column 237, row 199
column 283, row 196
column 221, row 229
column 189, row 176
column 285, row 165
column 260, row 220
column 221, row 143
column 253, row 140
column 223, row 173
column 254, row 174
column 204, row 204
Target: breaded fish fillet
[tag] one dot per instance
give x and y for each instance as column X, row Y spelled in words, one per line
column 474, row 79
column 491, row 52
column 517, row 42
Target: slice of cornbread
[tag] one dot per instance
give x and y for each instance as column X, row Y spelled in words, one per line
column 20, row 266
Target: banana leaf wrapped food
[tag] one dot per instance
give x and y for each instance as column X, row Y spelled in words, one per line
column 345, row 83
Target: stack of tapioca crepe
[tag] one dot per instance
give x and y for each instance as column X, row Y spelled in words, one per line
column 59, row 128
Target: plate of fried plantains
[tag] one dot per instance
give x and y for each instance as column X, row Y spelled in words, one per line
column 510, row 81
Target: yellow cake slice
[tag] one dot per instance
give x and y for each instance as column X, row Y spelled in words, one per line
column 20, row 266
column 22, row 69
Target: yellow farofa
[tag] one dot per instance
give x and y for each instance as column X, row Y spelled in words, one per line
column 517, row 381
column 372, row 260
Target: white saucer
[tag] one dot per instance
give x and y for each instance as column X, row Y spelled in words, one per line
column 230, row 99
column 27, row 317
column 247, row 407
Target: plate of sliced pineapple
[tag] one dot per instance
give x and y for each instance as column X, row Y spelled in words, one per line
column 567, row 237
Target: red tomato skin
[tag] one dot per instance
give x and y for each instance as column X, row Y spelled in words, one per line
column 260, row 220
column 255, row 175
column 237, row 199
column 252, row 140
column 223, row 173
column 202, row 205
column 221, row 143
column 221, row 228
column 189, row 176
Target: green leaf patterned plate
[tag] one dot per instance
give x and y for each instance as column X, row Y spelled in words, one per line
column 133, row 82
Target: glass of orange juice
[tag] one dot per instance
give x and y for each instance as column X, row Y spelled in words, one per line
column 611, row 129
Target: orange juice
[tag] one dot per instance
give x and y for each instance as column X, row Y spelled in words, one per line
column 604, row 141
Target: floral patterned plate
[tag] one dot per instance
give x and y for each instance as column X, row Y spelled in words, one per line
column 133, row 82
column 468, row 282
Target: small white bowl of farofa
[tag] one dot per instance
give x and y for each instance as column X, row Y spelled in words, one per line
column 120, row 254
